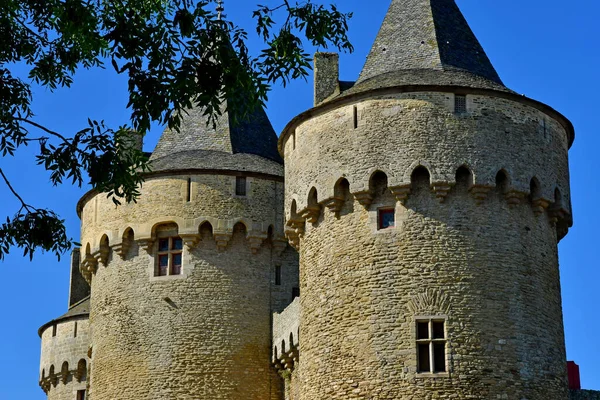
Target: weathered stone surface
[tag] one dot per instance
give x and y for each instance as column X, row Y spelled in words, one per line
column 585, row 395
column 204, row 333
column 491, row 268
column 65, row 343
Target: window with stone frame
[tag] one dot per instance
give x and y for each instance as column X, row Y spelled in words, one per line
column 81, row 395
column 431, row 345
column 168, row 256
column 460, row 103
column 386, row 218
column 241, row 186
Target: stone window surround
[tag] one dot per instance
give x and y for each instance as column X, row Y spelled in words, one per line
column 234, row 187
column 153, row 265
column 430, row 318
column 374, row 217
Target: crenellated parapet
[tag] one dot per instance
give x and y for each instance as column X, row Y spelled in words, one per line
column 117, row 243
column 543, row 199
column 64, row 361
column 285, row 342
column 358, row 136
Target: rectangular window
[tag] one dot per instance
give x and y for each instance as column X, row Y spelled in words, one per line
column 81, row 395
column 460, row 104
column 169, row 256
column 387, row 218
column 240, row 186
column 176, row 264
column 75, row 330
column 163, row 244
column 355, row 116
column 53, row 330
column 431, row 346
column 278, row 275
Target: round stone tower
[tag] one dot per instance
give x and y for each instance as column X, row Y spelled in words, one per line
column 426, row 202
column 181, row 280
column 65, row 342
column 64, row 360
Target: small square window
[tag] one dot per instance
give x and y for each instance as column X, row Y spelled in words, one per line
column 460, row 104
column 387, row 218
column 240, row 186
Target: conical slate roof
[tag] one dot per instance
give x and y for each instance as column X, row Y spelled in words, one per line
column 426, row 42
column 248, row 145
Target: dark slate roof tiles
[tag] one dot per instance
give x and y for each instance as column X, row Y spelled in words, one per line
column 429, row 35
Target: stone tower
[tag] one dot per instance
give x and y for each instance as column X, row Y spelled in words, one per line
column 426, row 201
column 65, row 341
column 183, row 281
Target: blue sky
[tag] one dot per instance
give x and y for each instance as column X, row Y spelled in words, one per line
column 545, row 49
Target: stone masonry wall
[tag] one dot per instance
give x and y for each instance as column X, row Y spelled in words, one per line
column 483, row 259
column 585, row 395
column 64, row 347
column 204, row 334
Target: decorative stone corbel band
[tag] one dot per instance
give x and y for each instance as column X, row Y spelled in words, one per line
column 279, row 245
column 101, row 255
column 256, row 240
column 190, row 240
column 540, row 205
column 146, row 244
column 557, row 213
column 365, row 197
column 480, row 192
column 514, row 197
column 401, row 192
column 88, row 267
column 222, row 239
column 311, row 213
column 293, row 237
column 334, row 204
column 121, row 249
column 441, row 190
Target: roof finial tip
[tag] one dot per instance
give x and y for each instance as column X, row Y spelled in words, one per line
column 220, row 9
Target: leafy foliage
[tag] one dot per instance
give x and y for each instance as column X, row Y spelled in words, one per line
column 177, row 54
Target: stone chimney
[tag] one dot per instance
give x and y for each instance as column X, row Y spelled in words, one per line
column 326, row 76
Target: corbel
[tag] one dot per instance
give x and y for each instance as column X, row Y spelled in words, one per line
column 441, row 190
column 256, row 240
column 190, row 240
column 401, row 192
column 334, row 204
column 311, row 213
column 480, row 192
column 514, row 197
column 365, row 197
column 222, row 239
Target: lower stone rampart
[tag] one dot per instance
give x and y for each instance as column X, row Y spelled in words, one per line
column 585, row 395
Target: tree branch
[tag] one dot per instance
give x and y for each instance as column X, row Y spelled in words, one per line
column 14, row 192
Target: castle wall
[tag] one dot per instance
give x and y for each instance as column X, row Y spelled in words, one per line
column 585, row 395
column 481, row 258
column 204, row 333
column 64, row 343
